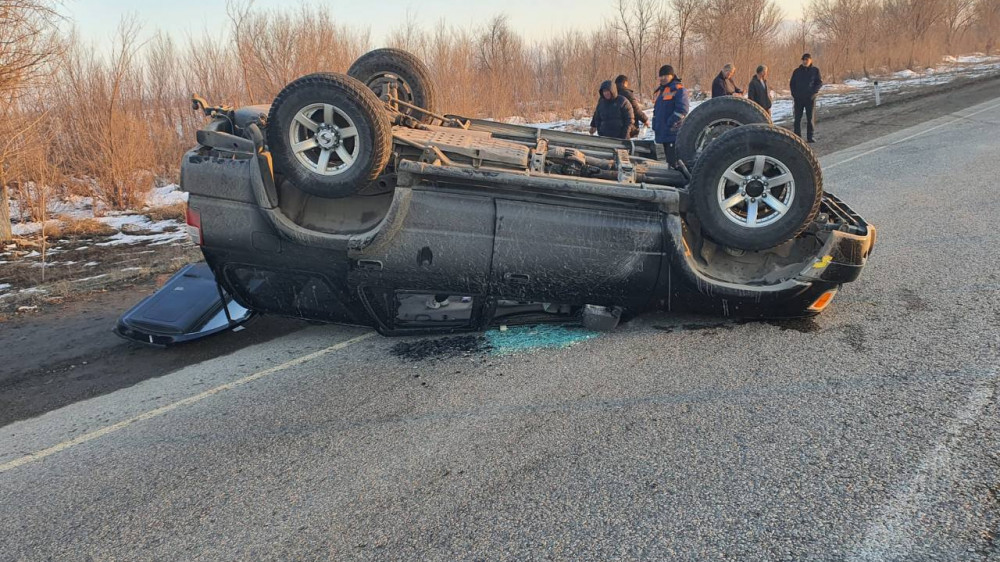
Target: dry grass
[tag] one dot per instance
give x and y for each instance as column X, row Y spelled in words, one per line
column 69, row 227
column 115, row 266
column 177, row 212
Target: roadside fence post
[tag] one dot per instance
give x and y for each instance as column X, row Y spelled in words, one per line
column 878, row 94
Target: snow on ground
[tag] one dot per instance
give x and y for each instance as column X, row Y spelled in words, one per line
column 133, row 228
column 102, row 256
column 850, row 92
column 166, row 195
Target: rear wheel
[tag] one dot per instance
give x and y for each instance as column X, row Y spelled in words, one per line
column 383, row 70
column 756, row 187
column 712, row 119
column 329, row 134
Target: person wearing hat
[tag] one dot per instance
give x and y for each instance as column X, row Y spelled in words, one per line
column 669, row 111
column 805, row 85
column 640, row 116
column 613, row 115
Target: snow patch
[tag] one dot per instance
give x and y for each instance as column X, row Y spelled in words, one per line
column 166, row 195
column 90, row 278
column 28, row 291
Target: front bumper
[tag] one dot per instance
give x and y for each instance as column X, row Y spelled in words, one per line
column 846, row 252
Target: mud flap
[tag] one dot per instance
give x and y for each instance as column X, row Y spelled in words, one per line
column 190, row 306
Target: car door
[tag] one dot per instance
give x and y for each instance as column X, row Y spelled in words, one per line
column 431, row 274
column 551, row 252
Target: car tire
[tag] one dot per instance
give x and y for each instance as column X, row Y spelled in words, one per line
column 329, row 134
column 710, row 120
column 756, row 187
column 411, row 76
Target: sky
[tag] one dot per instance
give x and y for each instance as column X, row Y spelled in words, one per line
column 96, row 20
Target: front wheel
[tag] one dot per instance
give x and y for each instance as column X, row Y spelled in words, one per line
column 329, row 134
column 756, row 187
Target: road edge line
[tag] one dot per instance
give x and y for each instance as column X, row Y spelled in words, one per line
column 90, row 436
column 957, row 118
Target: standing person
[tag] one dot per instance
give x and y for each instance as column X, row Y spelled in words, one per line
column 641, row 119
column 613, row 115
column 723, row 84
column 758, row 91
column 669, row 111
column 805, row 85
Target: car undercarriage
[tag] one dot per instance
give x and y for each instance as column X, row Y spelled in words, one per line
column 351, row 199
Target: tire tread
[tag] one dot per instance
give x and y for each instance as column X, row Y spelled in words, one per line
column 719, row 149
column 360, row 94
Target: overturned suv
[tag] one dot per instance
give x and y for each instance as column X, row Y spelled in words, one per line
column 351, row 199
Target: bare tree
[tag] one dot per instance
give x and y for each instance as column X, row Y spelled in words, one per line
column 686, row 13
column 239, row 14
column 846, row 27
column 916, row 18
column 28, row 42
column 736, row 30
column 803, row 31
column 635, row 22
column 988, row 22
column 407, row 35
column 958, row 17
column 501, row 58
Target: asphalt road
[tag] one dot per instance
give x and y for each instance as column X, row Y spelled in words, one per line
column 870, row 433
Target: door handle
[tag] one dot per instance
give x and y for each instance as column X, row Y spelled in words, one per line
column 517, row 278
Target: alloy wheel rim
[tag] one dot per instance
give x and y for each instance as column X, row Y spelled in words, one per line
column 324, row 139
column 756, row 191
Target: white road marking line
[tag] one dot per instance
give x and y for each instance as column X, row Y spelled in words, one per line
column 38, row 455
column 913, row 136
column 890, row 536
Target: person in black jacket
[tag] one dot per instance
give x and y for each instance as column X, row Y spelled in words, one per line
column 613, row 116
column 805, row 85
column 723, row 84
column 621, row 82
column 757, row 90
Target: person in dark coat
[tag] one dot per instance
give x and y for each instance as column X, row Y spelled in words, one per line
column 613, row 116
column 758, row 91
column 805, row 85
column 723, row 84
column 669, row 111
column 641, row 119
